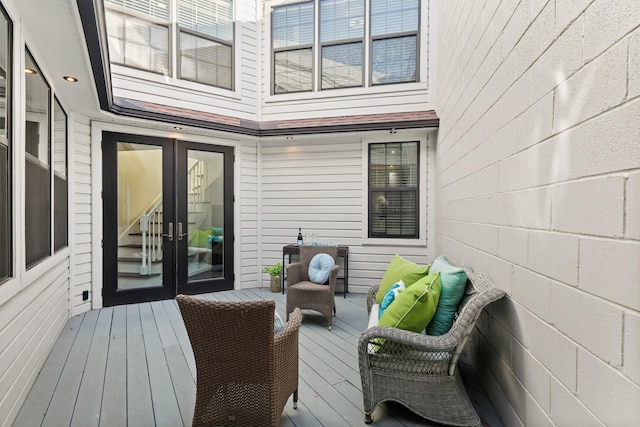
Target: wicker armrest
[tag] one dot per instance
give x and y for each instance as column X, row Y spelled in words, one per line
column 417, row 341
column 294, row 273
column 371, row 298
column 290, row 328
column 333, row 277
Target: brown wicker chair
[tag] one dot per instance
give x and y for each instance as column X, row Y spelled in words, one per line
column 418, row 370
column 305, row 294
column 245, row 374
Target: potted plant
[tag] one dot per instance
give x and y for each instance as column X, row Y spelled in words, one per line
column 275, row 272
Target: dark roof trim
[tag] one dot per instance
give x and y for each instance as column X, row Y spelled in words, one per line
column 91, row 13
column 93, row 23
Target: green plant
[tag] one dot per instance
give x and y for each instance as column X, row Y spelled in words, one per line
column 274, row 270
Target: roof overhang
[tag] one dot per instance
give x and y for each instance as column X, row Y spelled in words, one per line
column 93, row 23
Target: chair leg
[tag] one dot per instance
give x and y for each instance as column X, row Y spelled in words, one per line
column 368, row 419
column 295, row 399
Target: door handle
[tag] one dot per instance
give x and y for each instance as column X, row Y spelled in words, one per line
column 180, row 233
column 170, row 234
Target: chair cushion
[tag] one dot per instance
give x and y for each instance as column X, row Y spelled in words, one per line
column 414, row 308
column 278, row 323
column 320, row 268
column 390, row 296
column 400, row 269
column 454, row 283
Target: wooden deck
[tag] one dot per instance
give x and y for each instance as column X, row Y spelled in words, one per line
column 133, row 366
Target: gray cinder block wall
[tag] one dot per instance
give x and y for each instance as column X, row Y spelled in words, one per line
column 538, row 186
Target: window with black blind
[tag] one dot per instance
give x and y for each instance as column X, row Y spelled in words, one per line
column 37, row 210
column 6, row 200
column 60, row 188
column 393, row 190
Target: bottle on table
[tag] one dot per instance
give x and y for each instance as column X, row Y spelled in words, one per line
column 300, row 236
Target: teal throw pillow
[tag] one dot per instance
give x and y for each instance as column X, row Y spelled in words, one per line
column 414, row 308
column 390, row 296
column 400, row 269
column 320, row 268
column 454, row 283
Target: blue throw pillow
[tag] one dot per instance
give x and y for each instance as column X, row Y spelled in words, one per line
column 278, row 323
column 390, row 296
column 320, row 268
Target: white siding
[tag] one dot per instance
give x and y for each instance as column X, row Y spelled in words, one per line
column 80, row 213
column 30, row 323
column 164, row 90
column 319, row 184
column 408, row 97
column 247, row 276
column 537, row 160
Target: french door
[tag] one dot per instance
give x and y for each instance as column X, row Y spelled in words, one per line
column 167, row 218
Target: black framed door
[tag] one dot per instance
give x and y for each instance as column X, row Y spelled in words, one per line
column 167, row 218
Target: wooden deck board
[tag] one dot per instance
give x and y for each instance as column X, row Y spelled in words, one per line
column 133, row 366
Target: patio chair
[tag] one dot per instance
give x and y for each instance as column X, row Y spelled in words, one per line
column 245, row 373
column 418, row 370
column 305, row 294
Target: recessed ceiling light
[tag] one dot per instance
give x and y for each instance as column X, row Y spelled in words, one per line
column 30, row 71
column 70, row 79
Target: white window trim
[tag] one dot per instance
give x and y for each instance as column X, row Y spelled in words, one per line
column 425, row 179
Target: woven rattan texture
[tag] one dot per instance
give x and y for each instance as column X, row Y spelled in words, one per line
column 304, row 294
column 418, row 370
column 245, row 374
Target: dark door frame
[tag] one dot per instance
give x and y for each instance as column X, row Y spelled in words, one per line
column 175, row 280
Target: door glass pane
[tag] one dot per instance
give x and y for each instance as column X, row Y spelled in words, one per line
column 139, row 215
column 205, row 214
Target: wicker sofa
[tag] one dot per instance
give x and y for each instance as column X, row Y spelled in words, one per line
column 418, row 370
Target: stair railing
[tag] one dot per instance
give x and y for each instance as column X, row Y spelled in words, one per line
column 151, row 226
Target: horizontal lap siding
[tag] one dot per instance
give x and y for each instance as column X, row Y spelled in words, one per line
column 30, row 323
column 380, row 99
column 80, row 214
column 318, row 185
column 538, row 165
column 241, row 103
column 248, row 217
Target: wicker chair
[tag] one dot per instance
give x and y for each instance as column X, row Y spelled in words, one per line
column 303, row 293
column 245, row 374
column 418, row 370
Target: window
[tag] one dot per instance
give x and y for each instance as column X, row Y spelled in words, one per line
column 6, row 246
column 37, row 221
column 60, row 188
column 341, row 36
column 340, row 43
column 140, row 34
column 293, row 48
column 206, row 41
column 393, row 190
column 394, row 41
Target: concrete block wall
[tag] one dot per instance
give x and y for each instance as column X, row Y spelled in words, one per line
column 538, row 186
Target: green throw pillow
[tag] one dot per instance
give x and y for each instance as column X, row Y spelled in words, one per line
column 400, row 269
column 454, row 283
column 414, row 307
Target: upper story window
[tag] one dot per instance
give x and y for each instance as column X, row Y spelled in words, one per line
column 190, row 39
column 6, row 221
column 346, row 47
column 394, row 190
